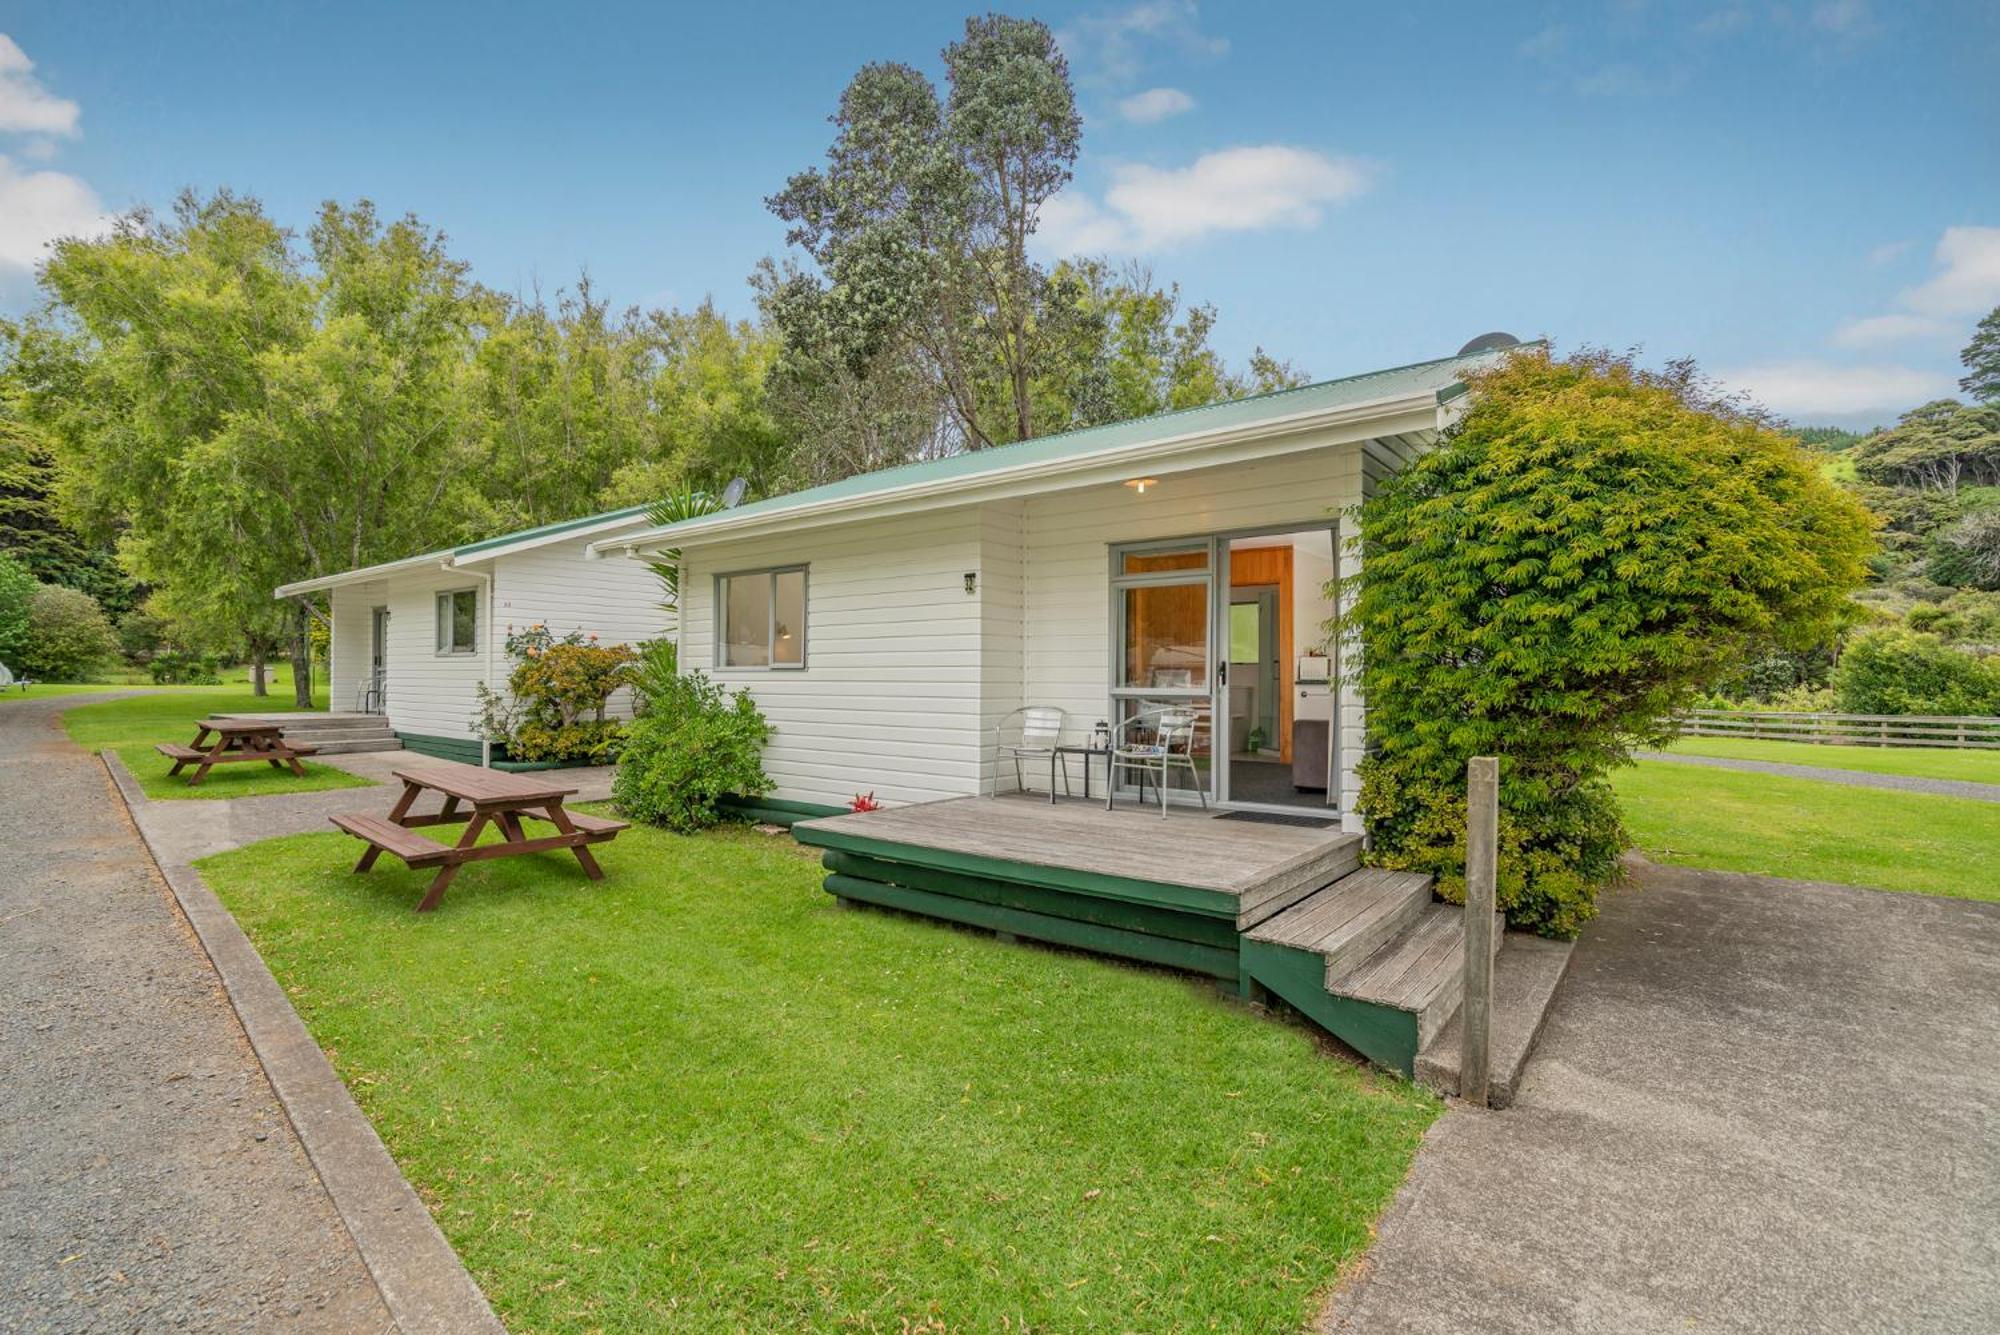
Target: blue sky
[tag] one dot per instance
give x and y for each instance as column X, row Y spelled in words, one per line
column 1804, row 196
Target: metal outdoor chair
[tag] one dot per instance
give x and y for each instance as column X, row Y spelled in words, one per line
column 1156, row 743
column 1030, row 733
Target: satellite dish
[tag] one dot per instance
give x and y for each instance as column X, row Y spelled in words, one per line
column 1493, row 342
column 732, row 495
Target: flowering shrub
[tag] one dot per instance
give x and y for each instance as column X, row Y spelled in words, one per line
column 864, row 802
column 557, row 694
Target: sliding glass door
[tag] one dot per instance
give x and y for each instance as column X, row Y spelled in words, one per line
column 1163, row 601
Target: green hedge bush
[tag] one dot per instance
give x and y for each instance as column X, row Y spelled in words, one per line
column 1906, row 672
column 69, row 637
column 691, row 744
column 1592, row 549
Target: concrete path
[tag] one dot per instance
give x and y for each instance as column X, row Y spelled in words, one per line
column 1852, row 778
column 148, row 1177
column 1759, row 1105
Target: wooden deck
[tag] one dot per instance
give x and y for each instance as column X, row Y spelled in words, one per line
column 1242, row 870
column 1274, row 910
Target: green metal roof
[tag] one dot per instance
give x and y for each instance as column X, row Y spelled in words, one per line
column 547, row 530
column 1442, row 377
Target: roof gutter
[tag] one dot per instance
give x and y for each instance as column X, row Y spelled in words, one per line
column 1152, row 452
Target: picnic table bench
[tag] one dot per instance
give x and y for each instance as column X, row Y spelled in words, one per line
column 494, row 797
column 233, row 740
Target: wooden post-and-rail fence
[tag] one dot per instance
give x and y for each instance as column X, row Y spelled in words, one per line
column 1776, row 725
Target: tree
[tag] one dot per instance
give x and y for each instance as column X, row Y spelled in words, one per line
column 68, row 635
column 1937, row 446
column 1592, row 547
column 242, row 416
column 1968, row 553
column 567, row 399
column 1981, row 359
column 919, row 225
column 30, row 526
column 710, row 406
column 17, row 592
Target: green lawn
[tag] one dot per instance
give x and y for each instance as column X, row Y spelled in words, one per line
column 1922, row 762
column 131, row 727
column 698, row 1097
column 1780, row 826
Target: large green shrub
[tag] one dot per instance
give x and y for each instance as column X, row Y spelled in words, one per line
column 1906, row 672
column 1592, row 548
column 69, row 636
column 692, row 743
column 17, row 591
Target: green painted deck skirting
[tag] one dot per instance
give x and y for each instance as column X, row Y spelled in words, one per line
column 1040, row 926
column 1126, row 916
column 1385, row 1036
column 464, row 750
column 775, row 810
column 1189, row 899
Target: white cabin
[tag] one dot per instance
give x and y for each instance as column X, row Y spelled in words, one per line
column 887, row 624
column 413, row 639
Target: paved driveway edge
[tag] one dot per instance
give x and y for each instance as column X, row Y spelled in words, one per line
column 423, row 1283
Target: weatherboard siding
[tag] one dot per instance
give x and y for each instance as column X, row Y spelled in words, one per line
column 890, row 699
column 436, row 695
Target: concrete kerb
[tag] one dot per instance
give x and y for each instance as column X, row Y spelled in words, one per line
column 423, row 1283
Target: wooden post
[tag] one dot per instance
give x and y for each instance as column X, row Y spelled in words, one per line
column 1482, row 838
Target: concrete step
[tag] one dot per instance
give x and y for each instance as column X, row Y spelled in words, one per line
column 1420, row 971
column 319, row 735
column 1527, row 970
column 1352, row 918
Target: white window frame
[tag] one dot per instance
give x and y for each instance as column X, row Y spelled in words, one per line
column 719, row 593
column 439, row 622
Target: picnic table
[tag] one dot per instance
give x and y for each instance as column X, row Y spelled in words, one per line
column 222, row 741
column 488, row 797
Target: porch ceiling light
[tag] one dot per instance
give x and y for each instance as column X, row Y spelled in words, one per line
column 1139, row 484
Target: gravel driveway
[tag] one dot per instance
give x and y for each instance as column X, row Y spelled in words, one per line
column 148, row 1178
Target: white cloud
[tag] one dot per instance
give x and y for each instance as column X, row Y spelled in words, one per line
column 26, row 107
column 1966, row 284
column 37, row 207
column 1243, row 189
column 1113, row 46
column 1155, row 104
column 1970, row 283
column 1888, row 253
column 1876, row 330
column 1811, row 391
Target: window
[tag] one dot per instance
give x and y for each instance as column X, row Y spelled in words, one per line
column 762, row 615
column 457, row 621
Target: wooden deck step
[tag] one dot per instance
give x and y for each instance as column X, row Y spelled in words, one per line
column 1348, row 921
column 1421, row 971
column 414, row 849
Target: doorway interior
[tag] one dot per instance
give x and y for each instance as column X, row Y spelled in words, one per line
column 1235, row 627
